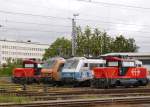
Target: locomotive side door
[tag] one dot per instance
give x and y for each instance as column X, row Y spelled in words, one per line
column 124, row 66
column 58, row 70
column 84, row 70
column 37, row 68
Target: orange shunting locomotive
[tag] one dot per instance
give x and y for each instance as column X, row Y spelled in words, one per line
column 120, row 72
column 29, row 73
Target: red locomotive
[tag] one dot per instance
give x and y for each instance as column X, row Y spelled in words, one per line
column 30, row 72
column 119, row 72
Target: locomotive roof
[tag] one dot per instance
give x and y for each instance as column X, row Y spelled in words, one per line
column 77, row 58
column 88, row 60
column 95, row 61
column 110, row 58
column 32, row 61
column 55, row 58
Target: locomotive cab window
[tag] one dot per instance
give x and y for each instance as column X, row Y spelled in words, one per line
column 113, row 64
column 49, row 64
column 85, row 67
column 71, row 64
column 39, row 65
column 93, row 65
column 102, row 65
column 29, row 65
column 128, row 64
column 125, row 66
column 60, row 67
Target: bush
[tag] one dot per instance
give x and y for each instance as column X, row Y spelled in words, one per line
column 7, row 69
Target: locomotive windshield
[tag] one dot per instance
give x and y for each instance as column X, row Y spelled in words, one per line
column 128, row 64
column 49, row 64
column 112, row 64
column 33, row 65
column 29, row 65
column 124, row 64
column 39, row 66
column 71, row 64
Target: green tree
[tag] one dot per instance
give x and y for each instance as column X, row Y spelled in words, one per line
column 132, row 47
column 91, row 43
column 121, row 44
column 106, row 44
column 60, row 47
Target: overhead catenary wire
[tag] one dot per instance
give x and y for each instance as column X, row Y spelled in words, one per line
column 108, row 29
column 70, row 26
column 127, row 30
column 43, row 24
column 37, row 30
column 47, row 31
column 34, row 30
column 31, row 5
column 16, row 13
column 114, row 4
column 65, row 18
column 70, row 18
column 110, row 22
column 29, row 14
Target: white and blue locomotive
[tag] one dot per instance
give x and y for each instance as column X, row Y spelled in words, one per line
column 79, row 70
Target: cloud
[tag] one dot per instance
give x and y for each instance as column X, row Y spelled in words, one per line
column 134, row 18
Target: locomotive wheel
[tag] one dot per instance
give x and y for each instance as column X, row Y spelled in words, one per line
column 45, row 80
column 113, row 86
column 143, row 82
column 13, row 79
column 105, row 83
column 146, row 83
column 57, row 83
column 86, row 83
column 16, row 80
column 102, row 83
column 92, row 83
column 136, row 84
column 76, row 84
column 127, row 86
column 97, row 83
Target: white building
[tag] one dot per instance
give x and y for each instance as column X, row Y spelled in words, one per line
column 20, row 50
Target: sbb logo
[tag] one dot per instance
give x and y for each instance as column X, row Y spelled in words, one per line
column 135, row 72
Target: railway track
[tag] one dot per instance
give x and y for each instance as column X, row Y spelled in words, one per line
column 44, row 97
column 82, row 102
column 66, row 97
column 33, row 87
column 75, row 92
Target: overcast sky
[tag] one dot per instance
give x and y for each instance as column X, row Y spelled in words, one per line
column 45, row 20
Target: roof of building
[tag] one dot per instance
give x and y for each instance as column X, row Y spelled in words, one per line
column 129, row 54
column 27, row 42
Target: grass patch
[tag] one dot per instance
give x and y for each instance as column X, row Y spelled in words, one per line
column 14, row 99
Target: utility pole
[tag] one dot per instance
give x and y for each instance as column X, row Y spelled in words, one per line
column 0, row 55
column 74, row 34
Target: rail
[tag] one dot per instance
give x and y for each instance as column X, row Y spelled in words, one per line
column 82, row 102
